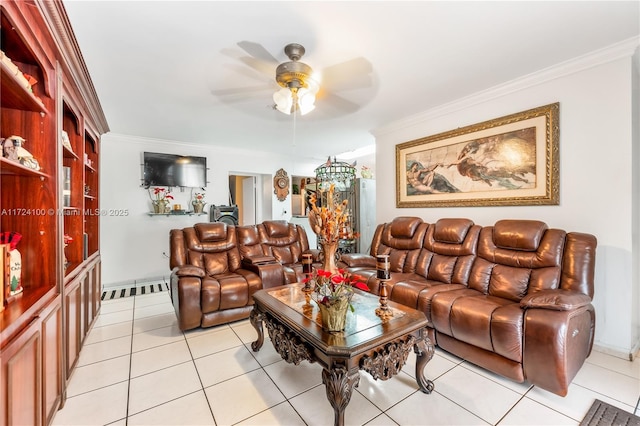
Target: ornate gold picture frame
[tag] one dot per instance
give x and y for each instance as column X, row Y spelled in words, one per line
column 507, row 161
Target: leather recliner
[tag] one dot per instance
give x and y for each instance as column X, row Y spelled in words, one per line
column 209, row 285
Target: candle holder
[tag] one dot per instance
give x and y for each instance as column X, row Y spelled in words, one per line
column 383, row 275
column 307, row 270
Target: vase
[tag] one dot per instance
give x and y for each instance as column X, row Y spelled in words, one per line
column 334, row 316
column 197, row 207
column 159, row 206
column 329, row 251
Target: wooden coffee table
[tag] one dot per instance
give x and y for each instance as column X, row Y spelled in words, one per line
column 368, row 343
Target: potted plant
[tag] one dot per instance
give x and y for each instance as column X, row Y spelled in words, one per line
column 160, row 199
column 198, row 202
column 332, row 292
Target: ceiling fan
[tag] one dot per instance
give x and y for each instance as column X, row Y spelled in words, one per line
column 295, row 83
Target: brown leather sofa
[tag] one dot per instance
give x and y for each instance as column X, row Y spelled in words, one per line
column 216, row 268
column 209, row 283
column 514, row 298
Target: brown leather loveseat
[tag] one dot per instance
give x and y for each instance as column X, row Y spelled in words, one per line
column 209, row 285
column 216, row 268
column 514, row 298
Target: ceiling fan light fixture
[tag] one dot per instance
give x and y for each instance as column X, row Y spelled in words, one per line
column 283, row 99
column 299, row 87
column 306, row 100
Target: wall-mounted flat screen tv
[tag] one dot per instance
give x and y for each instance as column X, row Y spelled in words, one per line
column 174, row 170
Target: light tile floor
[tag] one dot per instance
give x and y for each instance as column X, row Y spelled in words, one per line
column 138, row 368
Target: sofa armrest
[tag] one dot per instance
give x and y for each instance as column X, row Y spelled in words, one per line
column 186, row 296
column 557, row 300
column 189, row 271
column 258, row 260
column 352, row 260
column 271, row 273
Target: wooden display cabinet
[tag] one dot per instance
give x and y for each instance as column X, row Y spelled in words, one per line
column 42, row 330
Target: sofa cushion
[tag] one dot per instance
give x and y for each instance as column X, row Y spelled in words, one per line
column 451, row 230
column 509, row 283
column 404, row 227
column 277, row 229
column 522, row 235
column 215, row 231
column 224, row 291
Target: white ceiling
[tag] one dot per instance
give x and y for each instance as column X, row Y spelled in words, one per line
column 162, row 68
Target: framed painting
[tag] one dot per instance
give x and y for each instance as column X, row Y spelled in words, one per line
column 507, row 161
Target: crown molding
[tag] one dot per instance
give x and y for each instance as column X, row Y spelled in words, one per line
column 623, row 49
column 56, row 18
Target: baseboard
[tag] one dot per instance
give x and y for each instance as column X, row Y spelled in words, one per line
column 627, row 356
column 139, row 289
column 131, row 283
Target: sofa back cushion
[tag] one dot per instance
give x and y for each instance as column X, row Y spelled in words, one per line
column 517, row 257
column 402, row 240
column 249, row 241
column 448, row 251
column 212, row 247
column 283, row 240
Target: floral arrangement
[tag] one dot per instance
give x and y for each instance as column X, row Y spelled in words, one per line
column 366, row 172
column 327, row 222
column 162, row 194
column 330, row 288
column 198, row 198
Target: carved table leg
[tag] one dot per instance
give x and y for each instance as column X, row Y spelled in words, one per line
column 424, row 350
column 339, row 384
column 256, row 318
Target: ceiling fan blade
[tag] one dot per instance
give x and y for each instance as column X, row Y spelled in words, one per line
column 257, row 51
column 250, row 72
column 241, row 94
column 240, row 90
column 259, row 65
column 336, row 102
column 351, row 74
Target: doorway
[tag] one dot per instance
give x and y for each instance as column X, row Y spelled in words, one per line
column 246, row 190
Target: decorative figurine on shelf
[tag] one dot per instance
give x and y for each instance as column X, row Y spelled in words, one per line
column 14, row 286
column 68, row 239
column 198, row 202
column 24, row 157
column 30, row 81
column 366, row 172
column 8, row 150
column 160, row 200
column 65, row 141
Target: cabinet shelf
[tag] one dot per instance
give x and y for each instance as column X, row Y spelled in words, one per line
column 90, row 168
column 67, row 153
column 29, row 300
column 15, row 95
column 9, row 167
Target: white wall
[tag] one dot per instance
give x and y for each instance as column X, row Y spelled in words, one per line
column 596, row 163
column 133, row 247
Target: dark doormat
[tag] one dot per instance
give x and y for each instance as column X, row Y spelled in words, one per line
column 603, row 414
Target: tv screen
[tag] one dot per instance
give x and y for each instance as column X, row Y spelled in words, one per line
column 174, row 170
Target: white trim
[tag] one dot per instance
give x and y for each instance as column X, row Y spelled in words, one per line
column 623, row 49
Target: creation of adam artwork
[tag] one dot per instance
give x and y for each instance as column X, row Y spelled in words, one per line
column 505, row 161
